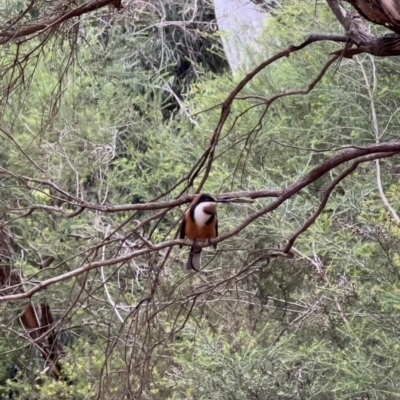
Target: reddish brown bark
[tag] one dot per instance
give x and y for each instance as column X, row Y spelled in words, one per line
column 37, row 321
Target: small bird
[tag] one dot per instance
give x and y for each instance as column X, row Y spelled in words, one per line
column 200, row 223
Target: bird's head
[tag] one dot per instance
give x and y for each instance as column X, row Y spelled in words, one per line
column 207, row 198
column 209, row 203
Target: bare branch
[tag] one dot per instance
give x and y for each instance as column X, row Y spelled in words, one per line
column 226, row 107
column 46, row 23
column 375, row 151
column 329, row 191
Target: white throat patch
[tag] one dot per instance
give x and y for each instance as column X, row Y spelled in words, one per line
column 200, row 217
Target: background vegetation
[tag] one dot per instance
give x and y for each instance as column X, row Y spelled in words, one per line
column 116, row 111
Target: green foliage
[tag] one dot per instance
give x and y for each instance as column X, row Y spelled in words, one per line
column 321, row 325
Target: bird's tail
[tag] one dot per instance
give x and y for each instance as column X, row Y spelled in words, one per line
column 194, row 261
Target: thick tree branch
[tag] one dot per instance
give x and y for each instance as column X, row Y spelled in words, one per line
column 381, row 12
column 358, row 32
column 353, row 24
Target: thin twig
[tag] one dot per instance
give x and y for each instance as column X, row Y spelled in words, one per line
column 375, row 128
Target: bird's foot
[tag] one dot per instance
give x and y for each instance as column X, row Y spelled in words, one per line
column 195, row 244
column 212, row 242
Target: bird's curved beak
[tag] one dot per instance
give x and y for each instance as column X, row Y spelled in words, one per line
column 235, row 200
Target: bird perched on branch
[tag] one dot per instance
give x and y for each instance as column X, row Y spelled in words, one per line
column 200, row 223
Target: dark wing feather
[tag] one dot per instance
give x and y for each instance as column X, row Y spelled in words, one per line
column 182, row 230
column 216, row 231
